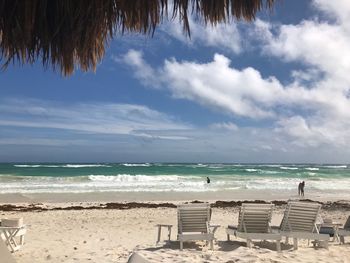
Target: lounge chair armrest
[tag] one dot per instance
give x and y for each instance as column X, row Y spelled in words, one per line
column 232, row 227
column 214, row 227
column 165, row 225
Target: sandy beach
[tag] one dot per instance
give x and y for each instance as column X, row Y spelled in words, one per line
column 81, row 234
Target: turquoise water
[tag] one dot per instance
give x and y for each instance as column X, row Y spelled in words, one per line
column 146, row 177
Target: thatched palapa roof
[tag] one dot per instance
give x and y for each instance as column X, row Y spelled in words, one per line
column 66, row 34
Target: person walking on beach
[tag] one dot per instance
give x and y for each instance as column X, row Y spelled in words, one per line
column 301, row 188
column 208, row 180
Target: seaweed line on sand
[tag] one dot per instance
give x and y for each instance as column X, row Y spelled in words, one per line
column 39, row 207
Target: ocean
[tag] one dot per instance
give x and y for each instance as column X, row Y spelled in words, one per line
column 158, row 177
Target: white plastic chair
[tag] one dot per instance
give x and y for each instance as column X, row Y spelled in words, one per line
column 345, row 231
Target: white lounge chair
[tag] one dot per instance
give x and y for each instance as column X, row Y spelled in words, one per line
column 254, row 224
column 5, row 255
column 299, row 222
column 11, row 230
column 194, row 223
column 345, row 231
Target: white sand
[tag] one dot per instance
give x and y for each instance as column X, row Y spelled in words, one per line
column 111, row 235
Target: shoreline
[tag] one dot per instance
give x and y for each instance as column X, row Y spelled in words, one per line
column 41, row 207
column 172, row 196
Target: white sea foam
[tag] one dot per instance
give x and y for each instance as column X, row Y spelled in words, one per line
column 35, row 165
column 136, row 164
column 85, row 165
column 167, row 183
column 25, row 165
column 251, row 170
column 312, row 168
column 312, row 174
column 268, row 184
column 335, row 166
column 216, row 166
column 270, row 172
column 133, row 178
column 57, row 166
column 199, row 165
column 288, row 168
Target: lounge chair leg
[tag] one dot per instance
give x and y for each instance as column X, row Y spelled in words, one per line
column 325, row 244
column 287, row 240
column 295, row 243
column 212, row 244
column 159, row 233
column 249, row 243
column 169, row 232
column 228, row 237
column 21, row 240
column 278, row 245
column 342, row 240
column 181, row 245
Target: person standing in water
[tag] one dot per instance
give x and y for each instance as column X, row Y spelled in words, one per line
column 301, row 188
column 208, row 180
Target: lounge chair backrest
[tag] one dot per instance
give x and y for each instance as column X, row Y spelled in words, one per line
column 255, row 218
column 300, row 217
column 193, row 218
column 347, row 223
column 207, row 205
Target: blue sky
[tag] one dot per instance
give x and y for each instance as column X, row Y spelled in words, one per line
column 275, row 90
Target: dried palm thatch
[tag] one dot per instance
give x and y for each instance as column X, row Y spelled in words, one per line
column 65, row 34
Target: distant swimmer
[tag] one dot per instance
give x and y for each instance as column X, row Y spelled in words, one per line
column 301, row 188
column 208, row 180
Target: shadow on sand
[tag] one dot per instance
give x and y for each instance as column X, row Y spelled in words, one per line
column 225, row 246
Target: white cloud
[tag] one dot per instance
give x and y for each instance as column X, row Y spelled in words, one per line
column 323, row 46
column 246, row 93
column 240, row 92
column 224, row 36
column 266, row 147
column 230, row 126
column 305, row 76
column 215, row 84
column 147, row 75
column 318, row 44
column 312, row 109
column 41, row 141
column 337, row 9
column 95, row 118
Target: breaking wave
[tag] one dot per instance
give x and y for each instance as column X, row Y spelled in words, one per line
column 61, row 166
